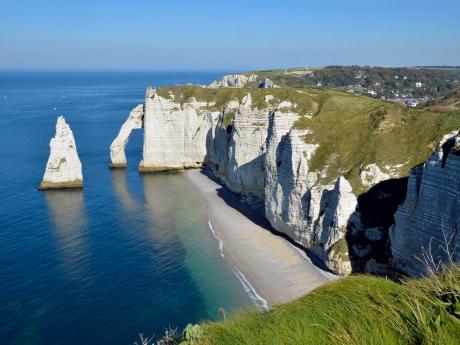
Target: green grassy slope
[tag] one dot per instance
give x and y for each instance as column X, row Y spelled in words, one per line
column 353, row 310
column 355, row 131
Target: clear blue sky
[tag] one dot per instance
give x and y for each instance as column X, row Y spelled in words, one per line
column 229, row 35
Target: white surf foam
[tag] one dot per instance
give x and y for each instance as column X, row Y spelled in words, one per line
column 221, row 243
column 257, row 299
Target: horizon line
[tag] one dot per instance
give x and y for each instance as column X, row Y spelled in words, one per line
column 212, row 70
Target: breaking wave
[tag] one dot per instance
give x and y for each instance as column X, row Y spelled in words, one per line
column 221, row 243
column 257, row 299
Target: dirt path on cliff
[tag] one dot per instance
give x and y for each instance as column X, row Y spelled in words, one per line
column 270, row 268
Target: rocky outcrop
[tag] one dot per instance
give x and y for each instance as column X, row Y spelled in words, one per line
column 267, row 84
column 234, row 80
column 371, row 175
column 174, row 133
column 314, row 215
column 63, row 169
column 428, row 222
column 245, row 172
column 117, row 149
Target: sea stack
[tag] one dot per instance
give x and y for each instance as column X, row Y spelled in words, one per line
column 63, row 169
column 117, row 148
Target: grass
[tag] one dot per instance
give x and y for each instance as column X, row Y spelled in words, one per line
column 354, row 310
column 305, row 100
column 353, row 132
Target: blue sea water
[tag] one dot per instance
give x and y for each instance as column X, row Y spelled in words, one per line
column 130, row 253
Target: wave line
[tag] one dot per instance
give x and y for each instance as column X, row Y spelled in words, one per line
column 221, row 243
column 257, row 299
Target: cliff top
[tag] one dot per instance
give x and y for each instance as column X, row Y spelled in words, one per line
column 305, row 100
column 352, row 131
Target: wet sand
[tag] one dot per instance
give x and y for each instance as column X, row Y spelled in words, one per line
column 271, row 269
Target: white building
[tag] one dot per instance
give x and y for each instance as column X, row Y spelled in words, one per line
column 418, row 84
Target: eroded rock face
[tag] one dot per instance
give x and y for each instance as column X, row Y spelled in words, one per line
column 371, row 175
column 63, row 169
column 429, row 218
column 117, row 148
column 314, row 215
column 174, row 134
column 245, row 172
column 234, row 80
column 266, row 84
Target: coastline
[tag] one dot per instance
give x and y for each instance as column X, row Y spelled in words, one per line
column 270, row 268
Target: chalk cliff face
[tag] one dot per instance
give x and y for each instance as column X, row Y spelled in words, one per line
column 174, row 133
column 245, row 172
column 234, row 80
column 117, row 149
column 256, row 152
column 255, row 144
column 266, row 84
column 429, row 219
column 314, row 215
column 63, row 169
column 371, row 175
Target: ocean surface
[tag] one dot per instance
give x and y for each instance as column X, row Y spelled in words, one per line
column 130, row 253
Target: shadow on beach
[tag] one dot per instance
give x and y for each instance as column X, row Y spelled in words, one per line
column 257, row 216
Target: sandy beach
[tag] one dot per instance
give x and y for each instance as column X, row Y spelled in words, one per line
column 271, row 269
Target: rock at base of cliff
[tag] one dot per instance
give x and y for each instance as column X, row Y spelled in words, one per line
column 161, row 168
column 63, row 169
column 116, row 165
column 62, row 185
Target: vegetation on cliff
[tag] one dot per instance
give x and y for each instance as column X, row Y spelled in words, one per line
column 352, row 131
column 355, row 310
column 389, row 82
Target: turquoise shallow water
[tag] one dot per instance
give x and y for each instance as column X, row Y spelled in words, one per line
column 130, row 253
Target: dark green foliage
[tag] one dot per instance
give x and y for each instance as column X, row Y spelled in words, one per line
column 436, row 82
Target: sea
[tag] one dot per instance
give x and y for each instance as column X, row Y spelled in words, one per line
column 129, row 254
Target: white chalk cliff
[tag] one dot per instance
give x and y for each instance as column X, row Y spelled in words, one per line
column 63, row 169
column 258, row 154
column 267, row 84
column 174, row 133
column 234, row 80
column 428, row 222
column 371, row 175
column 258, row 151
column 117, row 148
column 314, row 215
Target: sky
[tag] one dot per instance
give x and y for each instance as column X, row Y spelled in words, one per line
column 226, row 35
